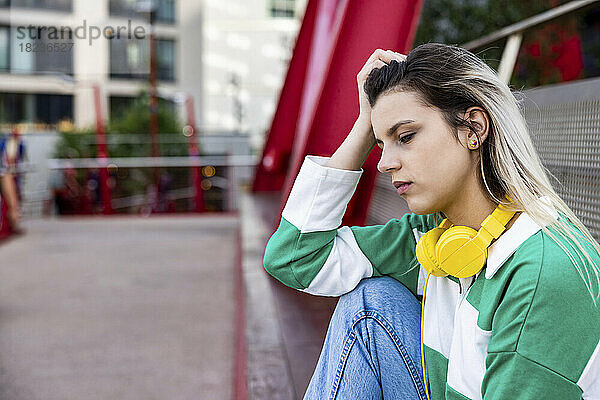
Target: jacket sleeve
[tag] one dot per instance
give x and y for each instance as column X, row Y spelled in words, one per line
column 309, row 251
column 545, row 331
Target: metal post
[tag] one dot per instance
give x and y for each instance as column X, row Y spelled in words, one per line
column 153, row 77
column 509, row 56
column 102, row 153
column 194, row 152
column 230, row 183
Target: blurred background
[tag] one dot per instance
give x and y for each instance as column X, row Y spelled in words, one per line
column 148, row 148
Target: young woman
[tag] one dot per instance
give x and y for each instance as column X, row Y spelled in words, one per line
column 508, row 274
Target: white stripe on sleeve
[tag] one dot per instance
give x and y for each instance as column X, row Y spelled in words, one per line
column 343, row 269
column 320, row 195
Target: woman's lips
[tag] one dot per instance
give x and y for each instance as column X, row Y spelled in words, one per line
column 403, row 187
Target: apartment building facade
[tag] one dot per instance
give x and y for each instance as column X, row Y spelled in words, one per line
column 52, row 52
column 231, row 57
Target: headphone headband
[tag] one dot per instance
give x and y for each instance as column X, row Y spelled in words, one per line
column 461, row 251
column 493, row 225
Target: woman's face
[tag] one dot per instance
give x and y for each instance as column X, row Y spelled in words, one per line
column 424, row 151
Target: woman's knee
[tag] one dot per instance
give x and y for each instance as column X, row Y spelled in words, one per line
column 377, row 293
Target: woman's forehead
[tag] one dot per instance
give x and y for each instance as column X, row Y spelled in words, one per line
column 406, row 105
column 400, row 106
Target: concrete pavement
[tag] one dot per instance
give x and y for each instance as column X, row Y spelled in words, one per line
column 118, row 308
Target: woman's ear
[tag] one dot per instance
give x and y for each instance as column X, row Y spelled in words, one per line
column 479, row 120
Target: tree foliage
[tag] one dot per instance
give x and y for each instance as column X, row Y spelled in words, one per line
column 460, row 21
column 128, row 136
column 552, row 52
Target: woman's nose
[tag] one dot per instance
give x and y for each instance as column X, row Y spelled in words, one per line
column 388, row 163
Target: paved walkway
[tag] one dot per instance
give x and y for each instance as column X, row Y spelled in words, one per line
column 132, row 308
column 118, row 308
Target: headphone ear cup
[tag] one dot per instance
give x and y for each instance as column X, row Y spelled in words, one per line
column 426, row 253
column 458, row 254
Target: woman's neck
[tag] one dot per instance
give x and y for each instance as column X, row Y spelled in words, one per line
column 473, row 215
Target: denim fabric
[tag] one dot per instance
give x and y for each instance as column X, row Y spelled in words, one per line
column 372, row 348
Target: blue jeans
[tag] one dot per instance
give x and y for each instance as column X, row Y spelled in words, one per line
column 372, row 348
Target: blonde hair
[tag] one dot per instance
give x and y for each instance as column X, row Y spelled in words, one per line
column 453, row 79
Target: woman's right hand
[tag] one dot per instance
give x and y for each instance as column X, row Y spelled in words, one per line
column 378, row 59
column 357, row 146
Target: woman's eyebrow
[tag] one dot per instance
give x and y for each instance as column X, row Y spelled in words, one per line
column 397, row 125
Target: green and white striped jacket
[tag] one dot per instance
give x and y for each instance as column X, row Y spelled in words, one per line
column 525, row 327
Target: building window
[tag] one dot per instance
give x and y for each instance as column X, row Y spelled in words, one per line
column 164, row 10
column 59, row 5
column 4, row 48
column 13, row 107
column 33, row 51
column 39, row 108
column 283, row 8
column 60, row 58
column 123, row 8
column 129, row 58
column 165, row 52
column 52, row 108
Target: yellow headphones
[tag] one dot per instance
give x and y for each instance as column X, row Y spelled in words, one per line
column 459, row 251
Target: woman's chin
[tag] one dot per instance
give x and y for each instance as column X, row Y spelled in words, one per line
column 415, row 209
column 419, row 208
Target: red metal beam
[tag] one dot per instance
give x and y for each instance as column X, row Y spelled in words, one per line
column 345, row 34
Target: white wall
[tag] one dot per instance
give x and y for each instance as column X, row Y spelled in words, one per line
column 240, row 37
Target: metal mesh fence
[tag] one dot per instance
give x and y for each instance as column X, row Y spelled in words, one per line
column 567, row 137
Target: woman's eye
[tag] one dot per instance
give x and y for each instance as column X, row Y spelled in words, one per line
column 407, row 138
